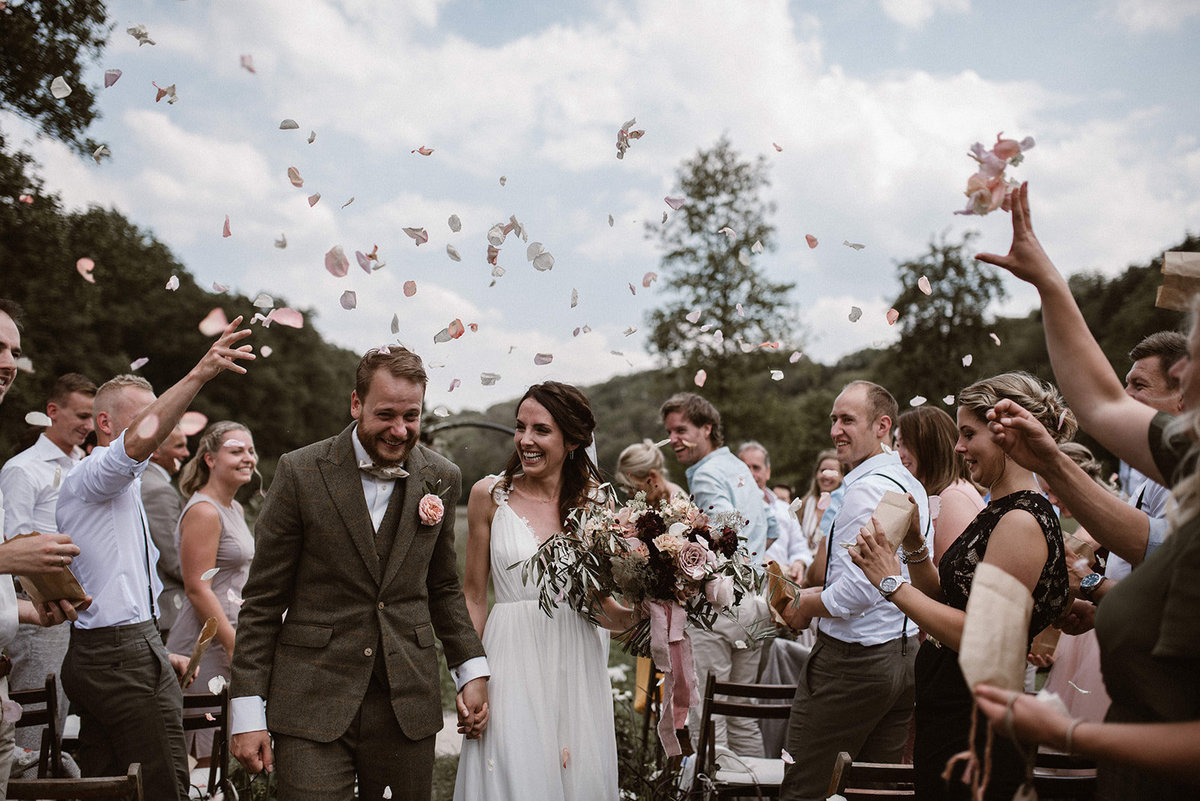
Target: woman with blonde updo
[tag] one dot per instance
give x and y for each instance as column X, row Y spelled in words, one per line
column 1019, row 533
column 212, row 535
column 641, row 468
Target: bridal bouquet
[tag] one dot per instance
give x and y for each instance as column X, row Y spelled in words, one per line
column 672, row 562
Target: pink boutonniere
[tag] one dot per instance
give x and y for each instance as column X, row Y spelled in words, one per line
column 431, row 509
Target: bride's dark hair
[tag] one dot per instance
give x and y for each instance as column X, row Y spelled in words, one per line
column 573, row 415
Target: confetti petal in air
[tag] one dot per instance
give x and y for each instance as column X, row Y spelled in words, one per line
column 336, row 262
column 281, row 242
column 743, row 258
column 543, row 261
column 631, row 330
column 675, row 203
column 853, row 245
column 701, row 377
column 165, row 91
column 455, row 223
column 795, row 357
column 214, row 322
column 740, row 311
column 363, row 261
column 24, row 364
column 855, row 314
column 289, row 125
column 693, row 317
column 729, row 232
column 776, row 375
column 916, row 400
column 440, row 411
column 225, row 232
column 220, row 288
column 266, row 350
column 348, row 202
column 349, row 300
column 988, row 189
column 923, row 285
column 387, row 792
column 248, row 63
column 111, row 77
column 664, row 217
column 313, row 199
column 27, row 199
column 611, row 221
column 648, row 279
column 892, row 316
column 216, row 684
column 995, row 338
column 424, row 151
column 574, row 298
column 39, row 419
column 418, row 235
column 140, row 33
column 488, row 379
column 811, row 240
column 172, row 283
column 452, row 252
column 625, row 136
column 632, row 289
column 192, row 423
column 138, row 364
column 757, row 247
column 503, row 180
column 778, row 149
column 455, row 384
column 84, row 267
column 312, row 137
column 286, row 316
column 948, row 400
column 1061, row 419
column 543, row 358
column 100, row 153
column 294, row 177
column 966, row 360
column 410, row 288
column 59, row 88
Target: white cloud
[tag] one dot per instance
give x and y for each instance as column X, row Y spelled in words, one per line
column 915, row 13
column 1146, row 16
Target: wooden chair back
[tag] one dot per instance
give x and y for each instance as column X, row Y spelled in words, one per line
column 738, row 700
column 216, row 717
column 124, row 788
column 860, row 781
column 40, row 708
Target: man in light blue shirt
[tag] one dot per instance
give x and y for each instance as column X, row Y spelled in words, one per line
column 859, row 693
column 720, row 482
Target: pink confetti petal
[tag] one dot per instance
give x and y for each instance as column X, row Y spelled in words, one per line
column 138, row 364
column 168, row 92
column 336, row 262
column 811, row 240
column 824, row 501
column 454, row 384
column 248, row 63
column 84, row 267
column 740, row 312
column 111, row 77
column 693, row 317
column 632, row 289
column 286, row 316
column 795, row 357
column 995, row 338
column 648, row 279
column 172, row 283
column 410, row 288
column 220, row 289
column 778, row 149
column 456, row 329
column 225, row 232
column 923, row 285
column 729, row 232
column 349, row 299
column 966, row 360
column 543, row 358
column 419, row 235
column 892, row 316
column 294, row 177
column 363, row 261
column 424, row 151
column 214, row 322
column 26, row 199
column 701, row 377
column 675, row 202
column 192, row 423
column 313, row 199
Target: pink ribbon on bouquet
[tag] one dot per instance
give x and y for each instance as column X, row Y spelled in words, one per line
column 672, row 653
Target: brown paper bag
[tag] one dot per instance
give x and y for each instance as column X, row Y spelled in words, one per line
column 198, row 650
column 1181, row 280
column 996, row 632
column 896, row 515
column 780, row 592
column 45, row 587
column 1046, row 642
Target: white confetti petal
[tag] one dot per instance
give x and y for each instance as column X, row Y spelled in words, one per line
column 395, row 324
column 916, row 400
column 111, row 77
column 853, row 245
column 776, row 375
column 216, row 684
column 503, row 180
column 729, row 232
column 743, row 258
column 264, row 301
column 38, row 419
column 455, row 223
column 289, row 125
column 611, row 221
column 795, row 357
column 220, row 289
column 349, row 299
column 312, row 137
column 488, row 379
column 543, row 358
column 693, row 317
column 281, row 242
column 140, row 33
column 855, row 314
column 172, row 283
column 995, row 338
column 948, row 400
column 138, row 364
column 675, row 202
column 544, row 261
column 574, row 298
column 294, row 177
column 631, row 330
column 533, row 250
column 208, row 574
column 783, row 754
column 452, row 252
column 966, row 360
column 100, row 153
column 757, row 247
column 923, row 285
column 419, row 235
column 266, row 350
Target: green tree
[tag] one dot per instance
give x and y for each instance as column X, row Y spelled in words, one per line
column 714, row 273
column 45, row 39
column 939, row 329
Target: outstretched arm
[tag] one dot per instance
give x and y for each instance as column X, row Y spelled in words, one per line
column 1089, row 385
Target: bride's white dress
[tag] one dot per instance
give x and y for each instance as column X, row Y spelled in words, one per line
column 550, row 735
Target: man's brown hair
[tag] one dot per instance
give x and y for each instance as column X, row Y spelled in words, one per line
column 698, row 412
column 399, row 362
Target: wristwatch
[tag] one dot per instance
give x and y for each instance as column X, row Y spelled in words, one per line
column 1088, row 586
column 890, row 584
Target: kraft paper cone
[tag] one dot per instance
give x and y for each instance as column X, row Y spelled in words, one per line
column 896, row 515
column 46, row 587
column 780, row 593
column 202, row 642
column 1181, row 280
column 996, row 632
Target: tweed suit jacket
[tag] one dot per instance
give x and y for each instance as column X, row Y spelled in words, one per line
column 315, row 560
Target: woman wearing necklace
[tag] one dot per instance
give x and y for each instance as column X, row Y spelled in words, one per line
column 550, row 734
column 1017, row 532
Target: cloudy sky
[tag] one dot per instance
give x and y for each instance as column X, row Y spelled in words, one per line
column 873, row 102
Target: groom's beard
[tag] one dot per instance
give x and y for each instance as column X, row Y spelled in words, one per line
column 371, row 446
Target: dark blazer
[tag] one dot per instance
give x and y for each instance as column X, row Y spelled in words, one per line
column 315, row 560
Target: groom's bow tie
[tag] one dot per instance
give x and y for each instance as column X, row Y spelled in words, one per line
column 382, row 473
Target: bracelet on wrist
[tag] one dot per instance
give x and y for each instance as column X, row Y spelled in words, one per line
column 914, row 557
column 1068, row 740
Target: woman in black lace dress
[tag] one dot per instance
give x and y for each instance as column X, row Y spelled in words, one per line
column 1018, row 532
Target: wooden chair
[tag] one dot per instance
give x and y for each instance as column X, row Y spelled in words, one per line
column 218, row 721
column 40, row 708
column 746, row 777
column 862, row 781
column 126, row 788
column 1050, row 783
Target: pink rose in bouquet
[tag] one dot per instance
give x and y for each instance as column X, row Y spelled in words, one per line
column 719, row 591
column 431, row 509
column 692, row 559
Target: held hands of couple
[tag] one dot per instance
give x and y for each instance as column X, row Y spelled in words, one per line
column 472, row 704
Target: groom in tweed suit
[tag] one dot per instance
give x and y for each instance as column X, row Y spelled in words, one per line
column 362, row 564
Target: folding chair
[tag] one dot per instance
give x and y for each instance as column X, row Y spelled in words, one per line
column 739, row 777
column 40, row 708
column 863, row 781
column 126, row 788
column 217, row 720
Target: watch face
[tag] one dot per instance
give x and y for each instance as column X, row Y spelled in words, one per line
column 888, row 585
column 1090, row 582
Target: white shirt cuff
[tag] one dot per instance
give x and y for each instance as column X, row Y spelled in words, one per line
column 247, row 713
column 469, row 670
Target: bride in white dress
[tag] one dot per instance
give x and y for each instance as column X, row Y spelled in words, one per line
column 550, row 733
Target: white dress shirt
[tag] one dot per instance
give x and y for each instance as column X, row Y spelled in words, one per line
column 30, row 482
column 8, row 609
column 248, row 712
column 860, row 614
column 100, row 507
column 791, row 544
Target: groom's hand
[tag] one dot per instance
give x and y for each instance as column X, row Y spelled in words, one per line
column 472, row 703
column 253, row 750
